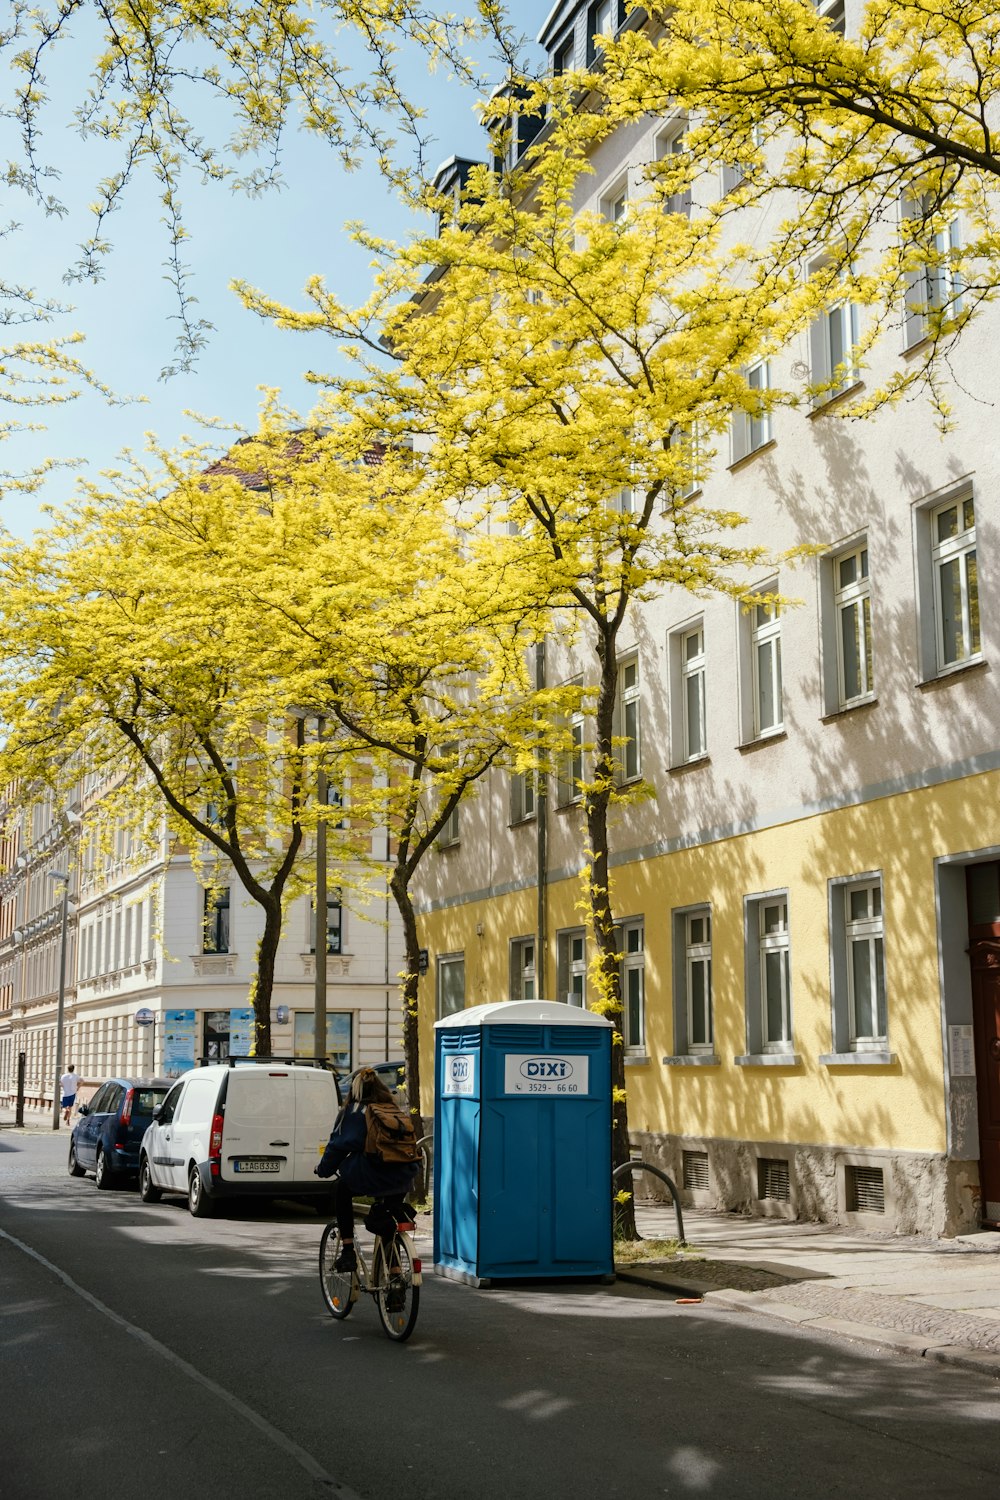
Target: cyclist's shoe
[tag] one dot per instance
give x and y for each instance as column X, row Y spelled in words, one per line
column 347, row 1260
column 395, row 1297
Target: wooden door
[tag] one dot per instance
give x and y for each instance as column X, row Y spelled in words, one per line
column 985, row 959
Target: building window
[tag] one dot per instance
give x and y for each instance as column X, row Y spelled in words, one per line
column 865, row 965
column 562, row 57
column 832, row 12
column 934, row 289
column 769, row 1000
column 450, row 984
column 698, row 967
column 633, row 982
column 571, row 762
column 627, row 714
column 334, row 924
column 685, row 449
column 765, row 663
column 751, row 429
column 833, row 336
column 956, row 587
column 602, row 21
column 450, row 831
column 215, row 921
column 572, row 965
column 671, row 148
column 615, row 202
column 522, row 796
column 686, row 653
column 852, row 604
column 522, row 969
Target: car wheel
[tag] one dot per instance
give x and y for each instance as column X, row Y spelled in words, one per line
column 75, row 1169
column 148, row 1191
column 199, row 1202
column 104, row 1175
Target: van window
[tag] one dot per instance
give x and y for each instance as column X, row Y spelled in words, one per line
column 197, row 1104
column 257, row 1094
column 170, row 1104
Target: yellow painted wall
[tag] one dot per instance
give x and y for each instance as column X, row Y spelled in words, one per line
column 899, row 1106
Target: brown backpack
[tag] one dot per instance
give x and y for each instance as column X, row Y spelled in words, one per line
column 390, row 1137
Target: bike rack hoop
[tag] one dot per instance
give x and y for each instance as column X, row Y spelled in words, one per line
column 636, row 1165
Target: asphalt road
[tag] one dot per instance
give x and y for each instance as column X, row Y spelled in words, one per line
column 146, row 1352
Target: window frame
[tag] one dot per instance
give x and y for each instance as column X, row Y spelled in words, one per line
column 216, row 900
column 628, row 707
column 778, row 940
column 669, row 143
column 750, row 434
column 632, row 965
column 685, row 670
column 570, row 967
column 764, row 624
column 448, row 964
column 685, row 953
column 334, row 902
column 957, row 549
column 523, row 796
column 523, row 975
column 570, row 774
column 939, row 288
column 867, row 930
column 854, row 597
column 847, row 1045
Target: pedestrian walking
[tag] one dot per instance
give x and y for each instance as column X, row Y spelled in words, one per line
column 69, row 1084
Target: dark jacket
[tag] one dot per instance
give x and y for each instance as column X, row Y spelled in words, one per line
column 345, row 1152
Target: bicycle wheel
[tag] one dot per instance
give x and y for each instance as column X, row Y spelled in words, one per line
column 340, row 1290
column 396, row 1295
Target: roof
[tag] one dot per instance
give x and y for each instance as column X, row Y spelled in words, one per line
column 524, row 1013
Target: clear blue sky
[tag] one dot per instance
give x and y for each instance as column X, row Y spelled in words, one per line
column 275, row 242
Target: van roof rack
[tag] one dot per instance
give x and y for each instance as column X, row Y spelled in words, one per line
column 316, row 1062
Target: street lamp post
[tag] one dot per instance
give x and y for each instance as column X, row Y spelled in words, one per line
column 61, row 1004
column 320, row 939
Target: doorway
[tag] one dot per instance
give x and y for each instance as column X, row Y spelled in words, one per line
column 216, row 1035
column 983, row 889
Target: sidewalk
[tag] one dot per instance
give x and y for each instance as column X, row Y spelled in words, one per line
column 935, row 1298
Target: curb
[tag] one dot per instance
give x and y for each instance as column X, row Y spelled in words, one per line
column 958, row 1356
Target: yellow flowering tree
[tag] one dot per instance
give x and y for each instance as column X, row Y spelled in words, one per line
column 561, row 379
column 178, row 630
column 873, row 149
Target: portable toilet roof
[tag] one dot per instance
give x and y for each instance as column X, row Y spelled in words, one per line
column 523, row 1013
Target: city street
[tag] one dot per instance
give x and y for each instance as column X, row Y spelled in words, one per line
column 147, row 1352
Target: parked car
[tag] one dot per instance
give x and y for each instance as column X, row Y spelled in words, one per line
column 245, row 1128
column 110, row 1127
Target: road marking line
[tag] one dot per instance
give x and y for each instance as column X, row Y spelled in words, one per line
column 274, row 1434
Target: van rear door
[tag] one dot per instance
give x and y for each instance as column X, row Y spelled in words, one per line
column 315, row 1111
column 259, row 1131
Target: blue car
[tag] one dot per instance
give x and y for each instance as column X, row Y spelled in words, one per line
column 109, row 1132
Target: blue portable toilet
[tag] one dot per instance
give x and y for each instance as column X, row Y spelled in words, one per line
column 522, row 1142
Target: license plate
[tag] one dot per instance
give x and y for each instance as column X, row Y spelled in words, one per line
column 257, row 1164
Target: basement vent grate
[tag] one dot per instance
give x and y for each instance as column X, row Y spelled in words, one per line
column 773, row 1179
column 865, row 1190
column 696, row 1169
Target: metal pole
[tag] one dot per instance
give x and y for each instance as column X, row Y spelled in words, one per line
column 320, row 940
column 61, row 1006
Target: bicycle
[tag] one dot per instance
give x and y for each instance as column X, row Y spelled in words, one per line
column 392, row 1278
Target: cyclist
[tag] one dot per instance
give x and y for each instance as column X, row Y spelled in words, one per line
column 366, row 1176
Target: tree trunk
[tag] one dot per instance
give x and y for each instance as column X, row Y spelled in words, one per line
column 609, row 962
column 411, row 1011
column 263, row 983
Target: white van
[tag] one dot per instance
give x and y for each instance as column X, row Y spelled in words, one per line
column 244, row 1128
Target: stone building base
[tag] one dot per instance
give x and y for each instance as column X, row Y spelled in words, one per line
column 899, row 1192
